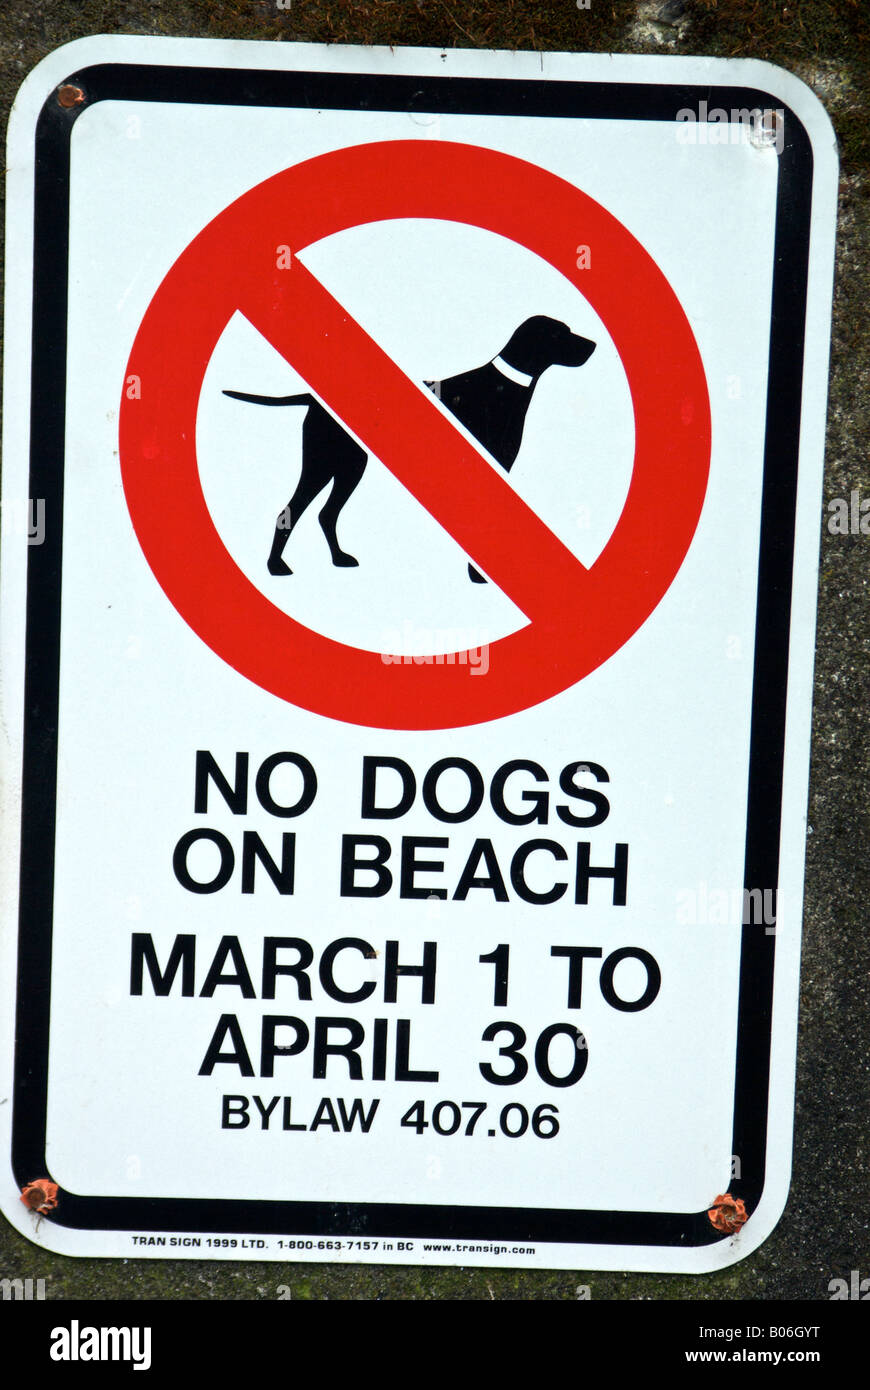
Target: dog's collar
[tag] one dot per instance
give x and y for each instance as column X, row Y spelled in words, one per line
column 521, row 378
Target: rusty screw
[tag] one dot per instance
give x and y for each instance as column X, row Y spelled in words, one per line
column 40, row 1195
column 727, row 1213
column 68, row 95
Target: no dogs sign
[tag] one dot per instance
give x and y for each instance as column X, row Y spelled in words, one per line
column 412, row 472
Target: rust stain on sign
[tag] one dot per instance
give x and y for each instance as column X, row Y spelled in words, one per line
column 728, row 1213
column 40, row 1195
column 69, row 95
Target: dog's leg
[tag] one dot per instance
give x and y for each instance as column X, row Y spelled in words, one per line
column 346, row 479
column 275, row 564
column 310, row 484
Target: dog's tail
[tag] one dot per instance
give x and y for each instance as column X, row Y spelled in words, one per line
column 303, row 399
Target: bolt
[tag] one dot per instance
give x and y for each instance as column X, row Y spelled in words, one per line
column 68, row 95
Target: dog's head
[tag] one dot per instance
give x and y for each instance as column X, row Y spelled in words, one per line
column 543, row 342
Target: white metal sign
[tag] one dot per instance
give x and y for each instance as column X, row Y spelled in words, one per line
column 411, row 491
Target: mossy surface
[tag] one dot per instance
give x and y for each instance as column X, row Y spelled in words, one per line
column 824, row 1232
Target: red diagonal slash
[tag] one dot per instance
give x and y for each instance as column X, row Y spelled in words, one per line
column 401, row 424
column 578, row 617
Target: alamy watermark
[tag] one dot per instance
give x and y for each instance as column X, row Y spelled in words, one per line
column 720, row 907
column 76, row 1343
column 440, row 647
column 854, row 1288
column 742, row 125
column 22, row 1290
column 849, row 517
column 24, row 515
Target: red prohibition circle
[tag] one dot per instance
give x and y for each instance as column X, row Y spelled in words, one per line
column 578, row 617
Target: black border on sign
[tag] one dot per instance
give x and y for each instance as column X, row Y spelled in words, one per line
column 364, row 92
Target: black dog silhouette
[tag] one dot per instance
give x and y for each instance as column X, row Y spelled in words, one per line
column 490, row 401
